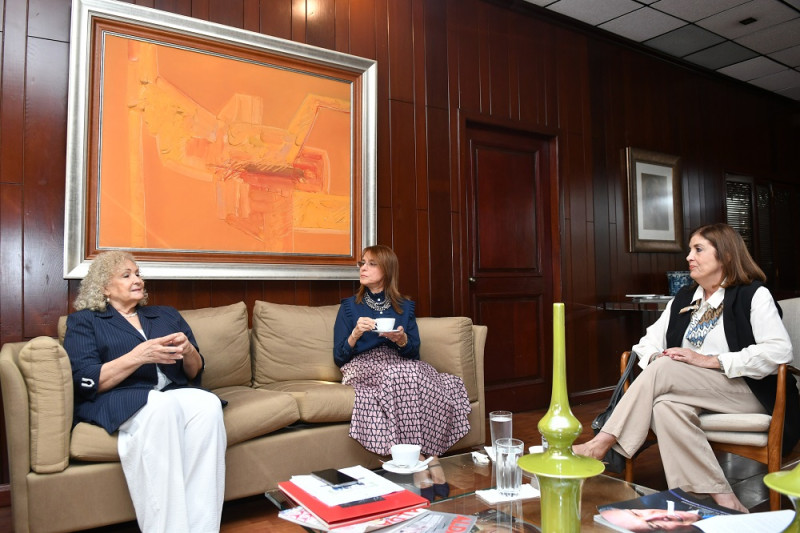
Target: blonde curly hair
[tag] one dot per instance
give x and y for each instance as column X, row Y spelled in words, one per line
column 91, row 293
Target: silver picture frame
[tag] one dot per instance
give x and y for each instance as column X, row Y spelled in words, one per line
column 85, row 112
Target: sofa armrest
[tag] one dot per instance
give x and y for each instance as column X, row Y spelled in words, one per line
column 16, row 413
column 479, row 334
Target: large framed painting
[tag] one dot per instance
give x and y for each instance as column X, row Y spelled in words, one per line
column 216, row 153
column 655, row 208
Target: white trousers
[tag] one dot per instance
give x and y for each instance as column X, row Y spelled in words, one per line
column 668, row 397
column 173, row 456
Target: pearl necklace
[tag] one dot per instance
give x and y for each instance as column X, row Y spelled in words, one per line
column 131, row 315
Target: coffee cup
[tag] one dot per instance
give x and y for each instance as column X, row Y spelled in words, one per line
column 405, row 455
column 384, row 324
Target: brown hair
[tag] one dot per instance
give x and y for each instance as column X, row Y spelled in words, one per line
column 390, row 266
column 738, row 266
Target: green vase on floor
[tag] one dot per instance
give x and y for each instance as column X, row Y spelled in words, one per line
column 788, row 483
column 560, row 472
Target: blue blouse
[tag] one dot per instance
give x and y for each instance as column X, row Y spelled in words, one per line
column 349, row 313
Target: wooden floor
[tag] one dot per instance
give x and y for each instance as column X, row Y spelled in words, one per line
column 256, row 514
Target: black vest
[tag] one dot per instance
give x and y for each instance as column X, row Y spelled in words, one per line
column 739, row 335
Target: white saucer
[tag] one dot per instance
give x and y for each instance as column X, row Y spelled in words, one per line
column 389, row 466
column 388, row 331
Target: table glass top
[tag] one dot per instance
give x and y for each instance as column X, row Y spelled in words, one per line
column 452, row 490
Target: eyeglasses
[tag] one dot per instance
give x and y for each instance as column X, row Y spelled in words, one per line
column 371, row 264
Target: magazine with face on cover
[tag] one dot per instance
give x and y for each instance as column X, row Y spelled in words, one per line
column 676, row 510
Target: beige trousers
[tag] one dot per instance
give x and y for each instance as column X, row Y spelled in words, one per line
column 668, row 396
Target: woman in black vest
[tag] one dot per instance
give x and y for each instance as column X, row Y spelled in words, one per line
column 716, row 347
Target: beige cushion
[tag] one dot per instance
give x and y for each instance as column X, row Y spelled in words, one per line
column 319, row 401
column 446, row 343
column 252, row 412
column 292, row 342
column 48, row 376
column 223, row 337
column 737, row 437
column 754, row 422
column 93, row 443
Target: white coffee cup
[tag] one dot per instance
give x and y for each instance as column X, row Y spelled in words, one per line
column 405, row 455
column 384, row 324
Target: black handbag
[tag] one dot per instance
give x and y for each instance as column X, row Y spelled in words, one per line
column 615, row 461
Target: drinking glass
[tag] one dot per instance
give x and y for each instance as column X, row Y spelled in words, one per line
column 509, row 475
column 500, row 427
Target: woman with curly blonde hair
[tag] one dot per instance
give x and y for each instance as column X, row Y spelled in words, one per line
column 136, row 371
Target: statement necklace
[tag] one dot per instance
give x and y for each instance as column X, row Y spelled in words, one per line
column 379, row 306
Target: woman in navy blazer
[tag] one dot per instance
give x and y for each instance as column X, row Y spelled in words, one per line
column 136, row 370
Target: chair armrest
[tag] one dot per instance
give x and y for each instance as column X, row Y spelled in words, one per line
column 623, row 364
column 779, row 412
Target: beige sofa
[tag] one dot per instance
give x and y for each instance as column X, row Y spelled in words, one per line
column 288, row 413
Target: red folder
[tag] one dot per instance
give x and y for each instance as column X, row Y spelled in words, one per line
column 338, row 516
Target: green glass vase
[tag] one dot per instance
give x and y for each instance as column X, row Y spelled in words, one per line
column 560, row 472
column 788, row 483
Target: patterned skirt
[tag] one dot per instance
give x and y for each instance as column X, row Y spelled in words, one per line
column 400, row 400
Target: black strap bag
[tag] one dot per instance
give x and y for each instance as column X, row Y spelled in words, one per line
column 615, row 461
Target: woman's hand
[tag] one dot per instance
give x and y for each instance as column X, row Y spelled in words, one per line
column 363, row 325
column 162, row 350
column 690, row 357
column 398, row 337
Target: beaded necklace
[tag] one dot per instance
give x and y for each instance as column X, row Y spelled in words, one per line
column 379, row 306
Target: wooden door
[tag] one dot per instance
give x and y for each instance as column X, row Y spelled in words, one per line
column 510, row 261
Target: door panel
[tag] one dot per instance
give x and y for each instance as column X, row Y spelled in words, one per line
column 511, row 282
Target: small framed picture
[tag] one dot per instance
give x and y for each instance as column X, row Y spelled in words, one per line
column 655, row 209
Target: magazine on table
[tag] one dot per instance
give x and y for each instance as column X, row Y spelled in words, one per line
column 373, row 497
column 434, row 522
column 495, row 520
column 676, row 510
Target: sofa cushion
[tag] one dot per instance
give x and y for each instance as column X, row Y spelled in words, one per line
column 292, row 342
column 48, row 376
column 447, row 344
column 223, row 337
column 251, row 413
column 93, row 443
column 319, row 401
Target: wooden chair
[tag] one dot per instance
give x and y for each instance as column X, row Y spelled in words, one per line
column 755, row 436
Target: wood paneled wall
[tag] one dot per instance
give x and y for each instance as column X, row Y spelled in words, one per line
column 439, row 60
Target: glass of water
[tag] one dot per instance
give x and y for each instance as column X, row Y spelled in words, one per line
column 509, row 475
column 500, row 427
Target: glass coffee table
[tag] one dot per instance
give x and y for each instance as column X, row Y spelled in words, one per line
column 464, row 477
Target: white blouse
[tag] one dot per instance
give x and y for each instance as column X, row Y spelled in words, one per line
column 772, row 346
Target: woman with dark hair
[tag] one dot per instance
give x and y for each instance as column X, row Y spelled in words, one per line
column 398, row 398
column 135, row 370
column 716, row 347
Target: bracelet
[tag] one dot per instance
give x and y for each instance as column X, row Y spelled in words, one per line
column 404, row 344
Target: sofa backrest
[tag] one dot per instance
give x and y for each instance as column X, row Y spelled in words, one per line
column 293, row 342
column 224, row 340
column 447, row 344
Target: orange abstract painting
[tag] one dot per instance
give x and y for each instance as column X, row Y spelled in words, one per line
column 209, row 153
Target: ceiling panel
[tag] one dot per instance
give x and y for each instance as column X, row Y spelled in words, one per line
column 757, row 41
